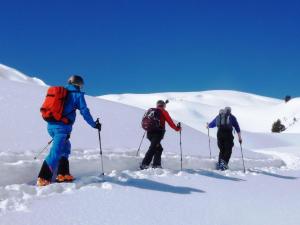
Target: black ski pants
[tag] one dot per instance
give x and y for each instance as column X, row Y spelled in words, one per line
column 155, row 149
column 225, row 144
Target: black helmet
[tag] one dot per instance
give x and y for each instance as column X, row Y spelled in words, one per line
column 76, row 80
column 162, row 103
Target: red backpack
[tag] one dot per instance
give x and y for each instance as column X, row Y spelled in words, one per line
column 151, row 120
column 53, row 106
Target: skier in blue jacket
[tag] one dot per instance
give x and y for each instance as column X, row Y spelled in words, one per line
column 60, row 132
column 225, row 122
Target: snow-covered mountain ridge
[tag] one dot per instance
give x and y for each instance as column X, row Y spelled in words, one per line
column 8, row 73
column 255, row 113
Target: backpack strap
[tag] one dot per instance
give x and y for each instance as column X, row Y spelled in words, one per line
column 64, row 117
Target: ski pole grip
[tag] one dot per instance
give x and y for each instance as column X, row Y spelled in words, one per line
column 98, row 124
column 179, row 126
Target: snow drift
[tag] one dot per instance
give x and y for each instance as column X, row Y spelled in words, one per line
column 8, row 73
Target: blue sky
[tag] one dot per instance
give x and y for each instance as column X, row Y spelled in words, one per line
column 139, row 46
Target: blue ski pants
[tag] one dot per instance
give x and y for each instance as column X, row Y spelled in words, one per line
column 61, row 146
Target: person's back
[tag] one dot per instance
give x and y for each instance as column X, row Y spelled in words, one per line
column 223, row 122
column 61, row 130
column 75, row 101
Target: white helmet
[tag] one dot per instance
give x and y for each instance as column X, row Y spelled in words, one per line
column 227, row 109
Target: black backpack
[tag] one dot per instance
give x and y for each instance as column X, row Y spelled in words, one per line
column 151, row 120
column 223, row 121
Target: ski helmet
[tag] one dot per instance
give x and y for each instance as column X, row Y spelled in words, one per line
column 161, row 103
column 76, row 80
column 228, row 109
column 222, row 111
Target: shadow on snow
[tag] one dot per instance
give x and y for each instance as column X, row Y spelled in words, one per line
column 272, row 174
column 152, row 185
column 212, row 174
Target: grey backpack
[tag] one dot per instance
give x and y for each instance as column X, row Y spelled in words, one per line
column 223, row 121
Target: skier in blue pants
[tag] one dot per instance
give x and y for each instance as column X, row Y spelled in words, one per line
column 60, row 132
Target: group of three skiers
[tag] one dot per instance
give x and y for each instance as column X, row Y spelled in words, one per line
column 59, row 110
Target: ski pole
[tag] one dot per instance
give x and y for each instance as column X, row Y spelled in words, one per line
column 209, row 145
column 38, row 155
column 138, row 151
column 99, row 135
column 180, row 143
column 243, row 157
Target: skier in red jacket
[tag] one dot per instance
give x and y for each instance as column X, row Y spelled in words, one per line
column 156, row 136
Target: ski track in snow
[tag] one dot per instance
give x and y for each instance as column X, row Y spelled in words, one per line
column 18, row 189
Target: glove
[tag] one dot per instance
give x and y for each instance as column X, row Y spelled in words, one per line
column 98, row 125
column 240, row 140
column 179, row 126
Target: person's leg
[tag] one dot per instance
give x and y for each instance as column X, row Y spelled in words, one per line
column 59, row 141
column 221, row 146
column 155, row 140
column 63, row 172
column 51, row 161
column 158, row 151
column 45, row 174
column 228, row 149
column 63, row 167
column 157, row 156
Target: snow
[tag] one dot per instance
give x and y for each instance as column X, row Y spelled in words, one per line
column 197, row 108
column 267, row 194
column 8, row 73
column 163, row 197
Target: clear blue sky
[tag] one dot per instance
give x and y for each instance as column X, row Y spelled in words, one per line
column 141, row 46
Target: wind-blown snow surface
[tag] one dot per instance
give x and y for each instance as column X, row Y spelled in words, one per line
column 8, row 73
column 267, row 194
column 255, row 113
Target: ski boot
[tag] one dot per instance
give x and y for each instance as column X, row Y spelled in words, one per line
column 144, row 167
column 156, row 166
column 45, row 175
column 223, row 165
column 63, row 172
column 42, row 182
column 64, row 178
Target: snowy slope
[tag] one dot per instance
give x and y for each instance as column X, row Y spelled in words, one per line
column 8, row 73
column 266, row 194
column 25, row 129
column 255, row 113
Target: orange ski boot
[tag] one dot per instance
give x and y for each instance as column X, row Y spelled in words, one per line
column 41, row 182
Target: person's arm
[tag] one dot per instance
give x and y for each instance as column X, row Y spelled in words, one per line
column 169, row 120
column 236, row 126
column 85, row 112
column 240, row 137
column 212, row 124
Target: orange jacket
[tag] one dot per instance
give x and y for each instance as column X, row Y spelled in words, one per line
column 166, row 117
